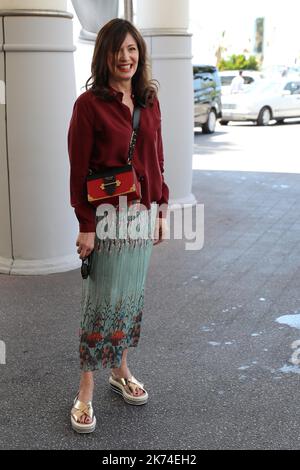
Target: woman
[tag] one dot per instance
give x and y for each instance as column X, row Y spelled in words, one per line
column 99, row 136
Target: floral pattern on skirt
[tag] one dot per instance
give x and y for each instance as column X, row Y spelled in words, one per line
column 113, row 294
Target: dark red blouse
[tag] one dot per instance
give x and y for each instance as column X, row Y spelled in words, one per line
column 99, row 137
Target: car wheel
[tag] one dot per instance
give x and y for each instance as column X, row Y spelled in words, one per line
column 210, row 125
column 264, row 117
column 224, row 123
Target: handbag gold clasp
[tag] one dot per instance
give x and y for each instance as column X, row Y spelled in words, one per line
column 115, row 183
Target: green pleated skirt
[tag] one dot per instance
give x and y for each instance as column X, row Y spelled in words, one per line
column 113, row 294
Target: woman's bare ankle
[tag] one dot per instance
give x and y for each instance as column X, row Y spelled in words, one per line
column 122, row 371
column 86, row 387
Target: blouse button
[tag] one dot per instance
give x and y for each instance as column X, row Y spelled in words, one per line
column 141, row 178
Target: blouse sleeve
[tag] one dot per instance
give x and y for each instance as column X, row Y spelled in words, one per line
column 163, row 202
column 80, row 145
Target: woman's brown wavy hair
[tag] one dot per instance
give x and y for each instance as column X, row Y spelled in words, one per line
column 109, row 40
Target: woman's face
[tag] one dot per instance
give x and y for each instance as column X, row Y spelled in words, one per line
column 126, row 60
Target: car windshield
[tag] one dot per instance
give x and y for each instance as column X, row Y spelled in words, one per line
column 262, row 86
column 226, row 80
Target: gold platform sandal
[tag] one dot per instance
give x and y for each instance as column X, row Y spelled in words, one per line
column 80, row 408
column 126, row 388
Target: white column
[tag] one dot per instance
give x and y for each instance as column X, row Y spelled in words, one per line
column 37, row 226
column 164, row 25
column 93, row 14
column 59, row 5
column 5, row 234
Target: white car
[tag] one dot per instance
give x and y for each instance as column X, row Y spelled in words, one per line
column 249, row 76
column 263, row 102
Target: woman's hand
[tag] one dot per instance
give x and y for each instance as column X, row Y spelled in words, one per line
column 160, row 231
column 85, row 243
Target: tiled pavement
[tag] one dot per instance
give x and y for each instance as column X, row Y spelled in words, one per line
column 212, row 355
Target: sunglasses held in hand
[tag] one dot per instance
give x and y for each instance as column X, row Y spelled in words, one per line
column 86, row 267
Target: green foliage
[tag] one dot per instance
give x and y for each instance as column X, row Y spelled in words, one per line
column 239, row 62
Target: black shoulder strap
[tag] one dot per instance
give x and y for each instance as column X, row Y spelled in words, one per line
column 135, row 125
column 136, row 118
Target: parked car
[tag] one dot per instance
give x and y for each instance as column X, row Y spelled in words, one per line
column 227, row 76
column 263, row 102
column 207, row 97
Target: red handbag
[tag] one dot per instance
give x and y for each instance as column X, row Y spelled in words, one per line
column 106, row 186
